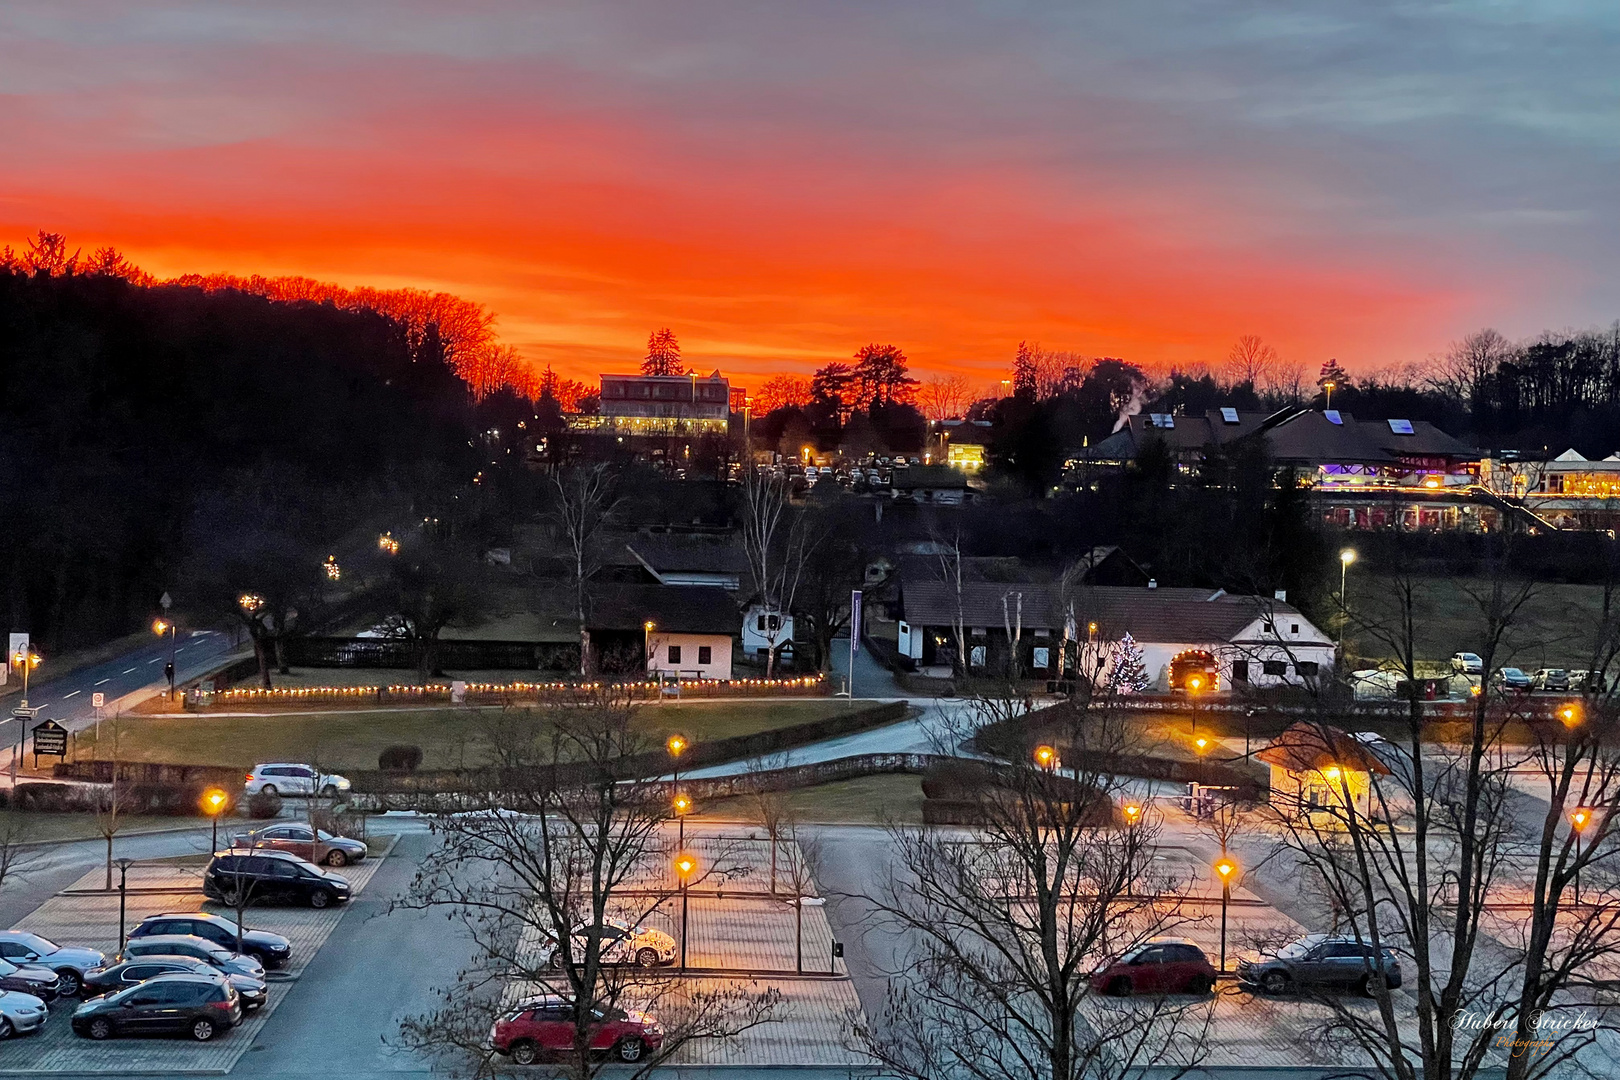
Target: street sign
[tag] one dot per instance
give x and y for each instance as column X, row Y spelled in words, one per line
column 21, row 713
column 98, row 700
column 50, row 738
column 166, row 602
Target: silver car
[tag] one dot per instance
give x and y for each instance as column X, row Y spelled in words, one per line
column 69, row 962
column 195, row 947
column 292, row 778
column 20, row 1014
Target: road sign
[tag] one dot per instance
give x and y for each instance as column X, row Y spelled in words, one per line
column 166, row 602
column 21, row 713
column 50, row 738
column 98, row 700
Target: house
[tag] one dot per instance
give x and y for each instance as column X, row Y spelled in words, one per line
column 764, row 629
column 932, row 484
column 1315, row 766
column 690, row 558
column 660, row 405
column 1232, row 642
column 1107, row 564
column 687, row 630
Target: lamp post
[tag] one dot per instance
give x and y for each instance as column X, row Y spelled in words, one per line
column 1195, row 683
column 1346, row 557
column 683, row 805
column 123, row 893
column 685, row 864
column 675, row 745
column 1329, row 386
column 29, row 660
column 1133, row 813
column 213, row 801
column 646, row 645
column 161, row 627
column 1225, row 868
column 1579, row 819
column 1046, row 757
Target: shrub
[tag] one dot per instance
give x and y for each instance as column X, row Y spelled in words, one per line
column 264, row 805
column 400, row 759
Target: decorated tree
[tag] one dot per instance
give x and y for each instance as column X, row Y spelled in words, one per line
column 1130, row 670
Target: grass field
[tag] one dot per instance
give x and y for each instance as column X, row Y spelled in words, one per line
column 26, row 827
column 449, row 737
column 865, row 800
column 1554, row 627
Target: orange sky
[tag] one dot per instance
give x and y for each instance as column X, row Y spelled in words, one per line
column 781, row 190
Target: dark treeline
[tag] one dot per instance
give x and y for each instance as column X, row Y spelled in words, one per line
column 150, row 434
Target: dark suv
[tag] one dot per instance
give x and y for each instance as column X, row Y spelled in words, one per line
column 273, row 876
column 115, row 977
column 271, row 950
column 1318, row 961
column 198, row 1005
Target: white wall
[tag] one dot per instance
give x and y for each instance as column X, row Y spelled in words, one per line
column 910, row 640
column 718, row 667
column 755, row 639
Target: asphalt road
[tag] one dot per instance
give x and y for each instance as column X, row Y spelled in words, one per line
column 68, row 698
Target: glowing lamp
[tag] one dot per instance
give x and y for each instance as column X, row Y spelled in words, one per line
column 1331, row 772
column 1580, row 818
column 1348, row 556
column 1202, row 744
column 682, row 804
column 685, row 864
column 1225, row 868
column 1570, row 714
column 676, row 744
column 1045, row 756
column 1132, row 813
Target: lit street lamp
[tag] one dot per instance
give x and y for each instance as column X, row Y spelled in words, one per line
column 1195, row 683
column 1225, row 868
column 1346, row 557
column 1046, row 757
column 1579, row 819
column 27, row 659
column 685, row 864
column 1133, row 813
column 683, row 806
column 123, row 893
column 161, row 627
column 213, row 801
column 646, row 648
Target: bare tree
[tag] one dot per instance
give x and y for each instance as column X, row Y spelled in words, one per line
column 584, row 501
column 1251, row 361
column 776, row 544
column 1468, row 365
column 536, row 864
column 943, row 397
column 1009, row 919
column 110, row 802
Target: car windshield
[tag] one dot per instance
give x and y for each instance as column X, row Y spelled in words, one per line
column 36, row 943
column 324, row 835
column 1513, row 673
column 219, row 956
column 7, row 968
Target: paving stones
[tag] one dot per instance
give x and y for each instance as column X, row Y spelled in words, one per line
column 90, row 918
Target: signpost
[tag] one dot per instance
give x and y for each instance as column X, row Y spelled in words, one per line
column 50, row 739
column 22, row 714
column 854, row 636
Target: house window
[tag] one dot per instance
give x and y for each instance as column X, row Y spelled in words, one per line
column 1306, row 667
column 978, row 631
column 1240, row 671
column 774, row 623
column 705, row 654
column 1043, row 658
column 1042, row 632
column 976, row 656
column 1293, row 628
column 674, row 654
column 1275, row 667
column 761, row 624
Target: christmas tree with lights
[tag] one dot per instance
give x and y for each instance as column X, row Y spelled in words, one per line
column 1130, row 670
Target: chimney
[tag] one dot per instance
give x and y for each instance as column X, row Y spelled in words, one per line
column 1281, row 594
column 1153, row 583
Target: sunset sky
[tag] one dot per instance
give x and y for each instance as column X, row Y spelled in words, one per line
column 782, row 182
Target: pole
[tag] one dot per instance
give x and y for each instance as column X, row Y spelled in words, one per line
column 1344, row 612
column 798, row 931
column 1577, row 868
column 1226, row 897
column 215, row 841
column 123, row 893
column 171, row 660
column 680, row 820
column 683, row 924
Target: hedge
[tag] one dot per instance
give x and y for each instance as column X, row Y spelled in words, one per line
column 180, row 799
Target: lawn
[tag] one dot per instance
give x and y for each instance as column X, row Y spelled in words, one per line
column 449, row 737
column 1554, row 628
column 25, row 827
column 865, row 800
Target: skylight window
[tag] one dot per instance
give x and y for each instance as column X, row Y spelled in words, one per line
column 1162, row 420
column 1229, row 414
column 1401, row 427
column 1333, row 416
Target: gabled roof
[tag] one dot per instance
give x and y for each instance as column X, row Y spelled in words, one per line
column 928, row 476
column 675, row 609
column 665, row 553
column 1304, row 746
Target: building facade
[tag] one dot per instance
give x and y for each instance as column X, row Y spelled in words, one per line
column 660, row 405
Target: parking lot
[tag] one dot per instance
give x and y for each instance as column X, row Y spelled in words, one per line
column 85, row 914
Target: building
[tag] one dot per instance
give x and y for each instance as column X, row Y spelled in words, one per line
column 936, row 485
column 1315, row 766
column 1568, row 492
column 660, row 405
column 711, row 559
column 1232, row 642
column 969, row 457
column 684, row 630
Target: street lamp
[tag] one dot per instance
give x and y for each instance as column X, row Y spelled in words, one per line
column 1570, row 714
column 1133, row 813
column 1329, row 386
column 27, row 659
column 1226, row 869
column 213, row 802
column 161, row 627
column 1046, row 757
column 123, row 893
column 683, row 806
column 1346, row 557
column 685, row 864
column 646, row 643
column 1579, row 819
column 1195, row 683
column 1202, row 744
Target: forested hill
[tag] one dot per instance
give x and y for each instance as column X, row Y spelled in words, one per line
column 146, row 429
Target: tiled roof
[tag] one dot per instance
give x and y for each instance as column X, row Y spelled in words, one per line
column 675, row 552
column 1304, row 746
column 677, row 609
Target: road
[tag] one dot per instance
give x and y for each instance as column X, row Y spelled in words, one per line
column 67, row 699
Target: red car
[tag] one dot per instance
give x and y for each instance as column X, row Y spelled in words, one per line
column 545, row 1026
column 1157, row 966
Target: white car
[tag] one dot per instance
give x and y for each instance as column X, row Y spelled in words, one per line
column 20, row 1013
column 288, row 778
column 621, row 944
column 1467, row 663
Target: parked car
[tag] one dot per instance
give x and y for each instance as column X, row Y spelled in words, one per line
column 1550, row 678
column 1318, row 961
column 1589, row 682
column 273, row 876
column 21, row 1014
column 288, row 778
column 1467, row 663
column 69, row 963
column 316, row 845
column 33, row 979
column 1157, row 966
column 1511, row 678
column 122, row 975
column 271, row 950
column 223, row 960
column 621, row 944
column 545, row 1026
column 201, row 1006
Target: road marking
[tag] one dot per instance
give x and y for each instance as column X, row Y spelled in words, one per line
column 109, row 679
column 154, row 660
column 66, row 696
column 181, row 649
column 126, row 671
